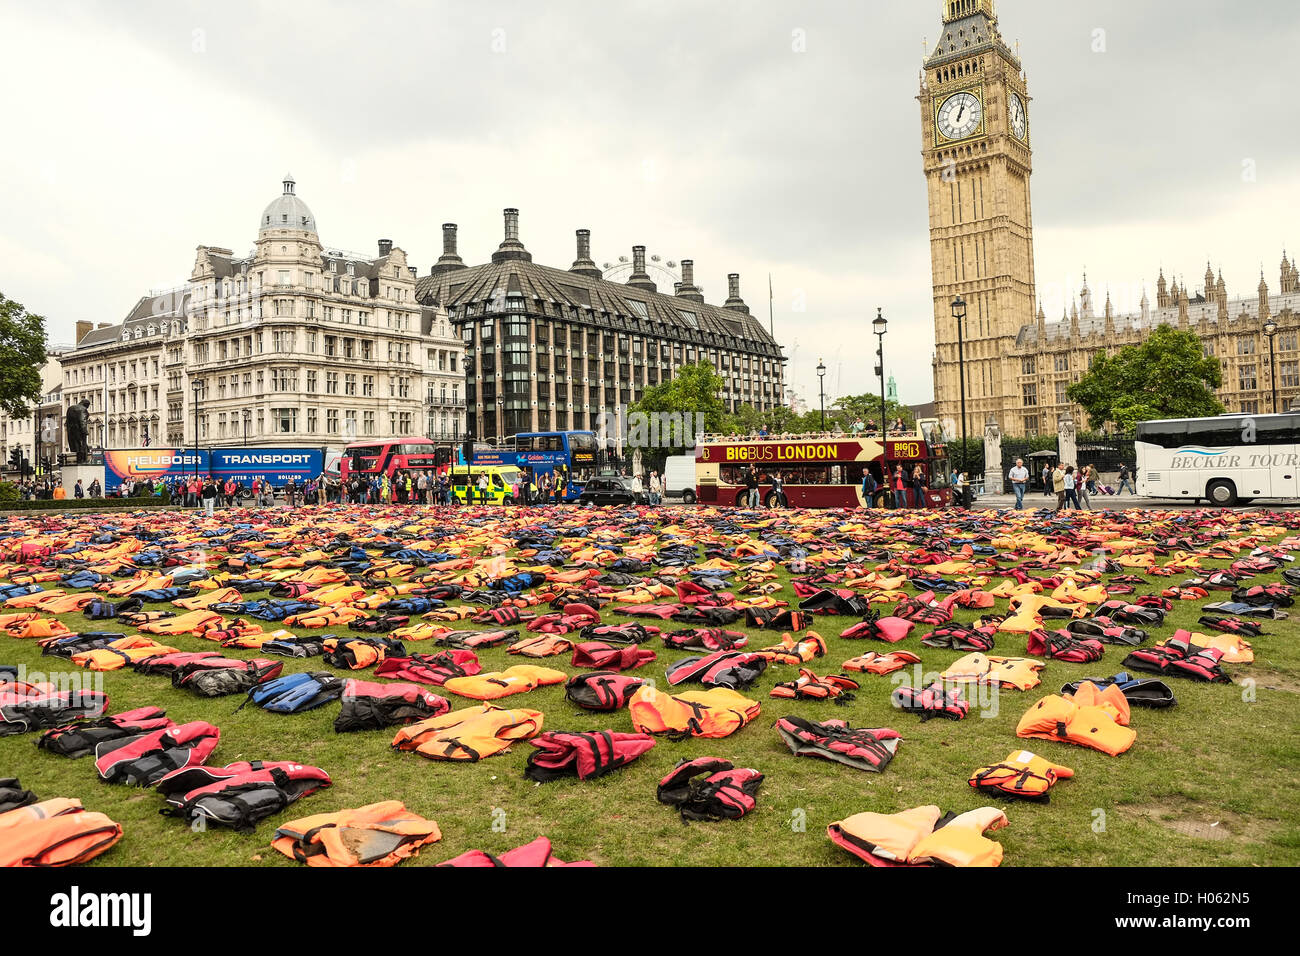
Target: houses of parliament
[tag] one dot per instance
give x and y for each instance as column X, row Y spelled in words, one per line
column 978, row 160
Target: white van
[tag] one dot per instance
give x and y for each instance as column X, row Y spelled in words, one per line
column 679, row 478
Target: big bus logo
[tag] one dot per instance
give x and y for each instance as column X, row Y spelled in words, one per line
column 907, row 449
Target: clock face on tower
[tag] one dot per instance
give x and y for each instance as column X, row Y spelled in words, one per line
column 960, row 116
column 1019, row 125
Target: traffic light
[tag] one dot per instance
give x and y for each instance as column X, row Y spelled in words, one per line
column 467, row 449
column 16, row 458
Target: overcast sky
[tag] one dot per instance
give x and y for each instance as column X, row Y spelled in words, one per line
column 765, row 136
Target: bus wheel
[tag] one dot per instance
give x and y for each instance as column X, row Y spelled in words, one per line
column 774, row 500
column 1222, row 494
column 742, row 499
column 688, row 497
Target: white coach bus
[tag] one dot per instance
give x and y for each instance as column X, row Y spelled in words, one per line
column 1227, row 460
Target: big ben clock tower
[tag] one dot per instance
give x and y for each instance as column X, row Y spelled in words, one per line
column 976, row 146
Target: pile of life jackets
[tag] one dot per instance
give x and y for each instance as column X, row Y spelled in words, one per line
column 144, row 759
column 379, row 834
column 58, row 832
column 861, row 748
column 1178, row 657
column 27, row 707
column 922, row 836
column 80, row 738
column 710, row 788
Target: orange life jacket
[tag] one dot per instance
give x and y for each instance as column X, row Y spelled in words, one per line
column 513, row 680
column 380, row 834
column 56, row 832
column 193, row 622
column 718, row 712
column 1023, row 775
column 470, row 733
column 1084, row 724
column 910, row 838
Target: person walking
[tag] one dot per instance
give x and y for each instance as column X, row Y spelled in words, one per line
column 1071, row 489
column 1058, row 486
column 959, row 488
column 96, row 491
column 1019, row 477
column 1081, row 490
column 1125, row 480
column 1047, row 481
column 209, row 496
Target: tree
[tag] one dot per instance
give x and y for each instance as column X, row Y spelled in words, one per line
column 22, row 354
column 659, row 425
column 1167, row 376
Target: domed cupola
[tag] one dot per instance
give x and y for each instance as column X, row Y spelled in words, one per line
column 287, row 211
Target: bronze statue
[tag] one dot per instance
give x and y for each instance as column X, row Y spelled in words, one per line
column 77, row 425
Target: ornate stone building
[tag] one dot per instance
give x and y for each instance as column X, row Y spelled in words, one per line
column 977, row 157
column 293, row 343
column 1053, row 355
column 558, row 349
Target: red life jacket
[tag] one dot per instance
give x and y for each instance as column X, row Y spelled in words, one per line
column 959, row 637
column 434, row 669
column 144, row 760
column 80, row 739
column 563, row 753
column 602, row 690
column 1178, row 658
column 708, row 638
column 537, row 853
column 933, row 701
column 890, row 629
column 734, row 669
column 1063, row 646
column 600, row 655
column 372, row 706
column 239, row 794
column 726, row 793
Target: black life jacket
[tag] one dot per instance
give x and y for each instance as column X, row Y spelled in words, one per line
column 371, row 706
column 1107, row 631
column 734, row 669
column 143, row 760
column 631, row 632
column 710, row 788
column 602, row 690
column 80, row 739
column 295, row 646
column 1122, row 613
column 239, row 794
column 708, row 616
column 1278, row 595
column 13, row 796
column 19, row 715
column 841, row 601
column 218, row 677
column 1141, row 692
column 585, row 755
column 836, row 740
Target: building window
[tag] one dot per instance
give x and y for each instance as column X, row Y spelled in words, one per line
column 1031, row 424
column 1062, row 362
column 1060, row 393
column 284, row 420
column 1290, row 374
column 1246, row 345
column 311, row 418
column 332, row 421
column 1287, row 341
column 1246, row 378
column 349, row 385
column 368, row 423
column 1250, row 408
column 331, row 383
column 1028, row 365
column 1030, row 393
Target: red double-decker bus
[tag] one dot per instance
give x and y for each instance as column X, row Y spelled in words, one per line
column 387, row 456
column 818, row 472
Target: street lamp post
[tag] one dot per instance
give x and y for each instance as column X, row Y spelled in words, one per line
column 1270, row 329
column 198, row 390
column 248, row 417
column 821, row 389
column 959, row 313
column 879, row 325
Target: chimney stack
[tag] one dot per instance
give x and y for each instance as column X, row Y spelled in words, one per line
column 449, row 261
column 734, row 301
column 385, row 246
column 687, row 289
column 83, row 328
column 511, row 247
column 583, row 265
column 640, row 279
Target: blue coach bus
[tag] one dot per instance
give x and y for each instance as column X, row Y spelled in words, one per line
column 576, row 454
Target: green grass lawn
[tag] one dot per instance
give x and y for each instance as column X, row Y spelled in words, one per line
column 1210, row 782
